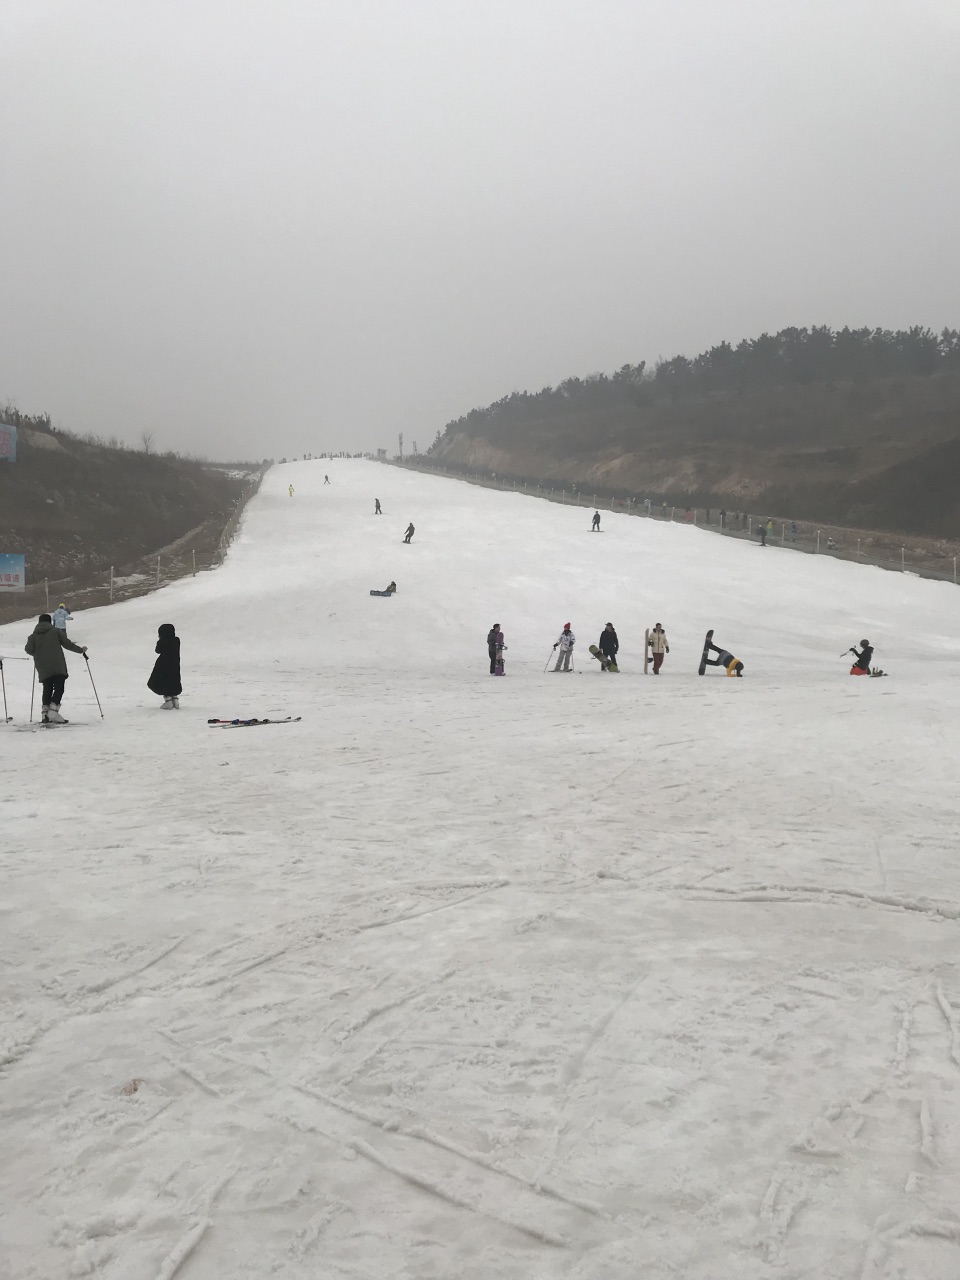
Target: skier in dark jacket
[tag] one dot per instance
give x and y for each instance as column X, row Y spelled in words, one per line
column 595, row 522
column 608, row 644
column 165, row 676
column 862, row 660
column 46, row 646
column 409, row 532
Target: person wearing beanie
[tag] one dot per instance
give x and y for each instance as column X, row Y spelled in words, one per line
column 165, row 676
column 565, row 643
column 608, row 644
column 46, row 645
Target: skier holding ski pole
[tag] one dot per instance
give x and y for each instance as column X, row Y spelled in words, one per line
column 95, row 694
column 565, row 644
column 46, row 645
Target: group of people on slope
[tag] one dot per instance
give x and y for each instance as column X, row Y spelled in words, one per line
column 608, row 645
column 46, row 645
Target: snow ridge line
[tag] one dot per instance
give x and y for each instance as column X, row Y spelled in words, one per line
column 429, row 911
column 419, row 1134
column 810, row 892
column 534, row 1233
column 182, row 1250
column 572, row 1069
column 951, row 1019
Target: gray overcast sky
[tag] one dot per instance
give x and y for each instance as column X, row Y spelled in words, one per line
column 264, row 228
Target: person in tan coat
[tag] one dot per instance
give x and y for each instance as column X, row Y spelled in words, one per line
column 659, row 647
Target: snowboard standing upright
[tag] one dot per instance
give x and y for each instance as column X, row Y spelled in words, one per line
column 706, row 652
column 646, row 650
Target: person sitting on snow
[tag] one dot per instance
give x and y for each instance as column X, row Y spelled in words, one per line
column 862, row 660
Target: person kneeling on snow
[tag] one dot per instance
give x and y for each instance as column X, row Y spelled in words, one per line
column 862, row 660
column 734, row 667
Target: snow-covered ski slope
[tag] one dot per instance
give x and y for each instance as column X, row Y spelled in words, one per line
column 586, row 976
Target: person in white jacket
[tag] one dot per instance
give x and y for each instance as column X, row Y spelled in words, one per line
column 565, row 644
column 61, row 617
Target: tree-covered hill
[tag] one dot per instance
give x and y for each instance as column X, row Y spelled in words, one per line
column 856, row 426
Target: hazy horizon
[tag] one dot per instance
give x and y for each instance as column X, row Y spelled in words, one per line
column 259, row 231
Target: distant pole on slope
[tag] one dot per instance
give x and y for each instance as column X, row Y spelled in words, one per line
column 111, row 584
column 903, row 564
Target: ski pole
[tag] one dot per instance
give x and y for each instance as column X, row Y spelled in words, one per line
column 95, row 694
column 549, row 660
column 4, row 684
column 33, row 690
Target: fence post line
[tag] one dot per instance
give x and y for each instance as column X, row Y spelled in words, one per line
column 194, row 554
column 954, row 570
column 783, row 534
column 158, row 571
column 903, row 564
column 111, row 584
column 818, row 540
column 46, row 592
column 858, row 548
column 749, row 526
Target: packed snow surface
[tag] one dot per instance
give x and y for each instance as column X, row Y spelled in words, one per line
column 588, row 976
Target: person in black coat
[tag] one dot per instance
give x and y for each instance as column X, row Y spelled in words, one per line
column 165, row 676
column 608, row 644
column 492, row 647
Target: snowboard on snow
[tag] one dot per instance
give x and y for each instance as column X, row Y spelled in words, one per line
column 606, row 664
column 381, row 593
column 706, row 651
column 498, row 661
column 646, row 650
column 250, row 724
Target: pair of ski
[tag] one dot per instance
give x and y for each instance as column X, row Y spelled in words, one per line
column 251, row 723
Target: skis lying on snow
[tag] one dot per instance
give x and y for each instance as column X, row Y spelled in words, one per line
column 47, row 724
column 249, row 724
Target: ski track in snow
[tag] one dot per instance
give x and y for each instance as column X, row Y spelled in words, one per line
column 506, row 979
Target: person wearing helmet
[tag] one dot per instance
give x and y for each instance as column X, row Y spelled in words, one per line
column 565, row 643
column 862, row 660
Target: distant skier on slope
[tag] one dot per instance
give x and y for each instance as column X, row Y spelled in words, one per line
column 409, row 532
column 724, row 658
column 565, row 644
column 326, row 479
column 862, row 660
column 377, row 511
column 290, row 489
column 595, row 522
column 61, row 617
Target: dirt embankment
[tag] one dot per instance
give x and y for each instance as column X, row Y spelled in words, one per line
column 74, row 509
column 883, row 455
